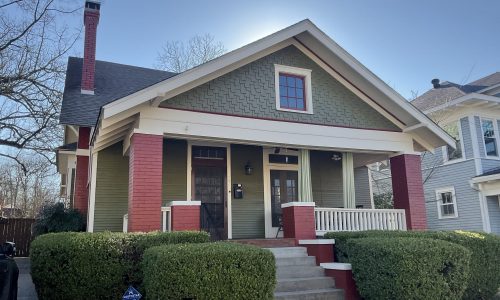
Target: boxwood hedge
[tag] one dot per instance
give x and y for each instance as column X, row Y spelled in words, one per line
column 484, row 279
column 209, row 271
column 408, row 268
column 74, row 265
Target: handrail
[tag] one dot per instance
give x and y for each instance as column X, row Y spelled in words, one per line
column 354, row 219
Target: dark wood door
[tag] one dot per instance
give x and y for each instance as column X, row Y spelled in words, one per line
column 209, row 183
column 284, row 188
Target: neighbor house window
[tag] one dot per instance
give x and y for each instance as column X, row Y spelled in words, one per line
column 454, row 131
column 293, row 89
column 490, row 143
column 446, row 203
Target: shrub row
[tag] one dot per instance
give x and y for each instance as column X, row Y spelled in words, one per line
column 74, row 265
column 484, row 279
column 408, row 268
column 209, row 271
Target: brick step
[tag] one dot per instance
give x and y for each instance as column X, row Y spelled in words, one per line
column 267, row 243
column 304, row 284
column 318, row 294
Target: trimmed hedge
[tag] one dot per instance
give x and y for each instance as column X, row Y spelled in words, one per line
column 74, row 265
column 408, row 268
column 220, row 270
column 484, row 279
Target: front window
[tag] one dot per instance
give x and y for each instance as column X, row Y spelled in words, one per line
column 447, row 204
column 490, row 143
column 293, row 89
column 453, row 130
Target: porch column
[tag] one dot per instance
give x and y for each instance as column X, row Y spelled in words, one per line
column 145, row 182
column 81, row 196
column 348, row 180
column 298, row 217
column 408, row 190
column 185, row 215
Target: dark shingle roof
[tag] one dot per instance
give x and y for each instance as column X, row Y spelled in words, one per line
column 112, row 81
column 490, row 172
column 449, row 91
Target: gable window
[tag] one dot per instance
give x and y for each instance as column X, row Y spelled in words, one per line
column 453, row 130
column 446, row 203
column 293, row 89
column 490, row 143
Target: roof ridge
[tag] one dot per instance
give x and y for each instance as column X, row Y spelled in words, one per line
column 124, row 65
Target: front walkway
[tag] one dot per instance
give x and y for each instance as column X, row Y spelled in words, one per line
column 26, row 288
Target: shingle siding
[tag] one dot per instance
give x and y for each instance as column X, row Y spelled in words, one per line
column 250, row 91
column 494, row 212
column 458, row 176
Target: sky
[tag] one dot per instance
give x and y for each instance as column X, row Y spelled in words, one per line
column 406, row 43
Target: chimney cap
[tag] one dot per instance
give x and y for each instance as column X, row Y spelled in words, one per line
column 93, row 4
column 435, row 83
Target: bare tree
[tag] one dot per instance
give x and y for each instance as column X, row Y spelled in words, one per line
column 177, row 56
column 24, row 193
column 33, row 48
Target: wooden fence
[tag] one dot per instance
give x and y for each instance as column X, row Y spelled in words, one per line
column 19, row 232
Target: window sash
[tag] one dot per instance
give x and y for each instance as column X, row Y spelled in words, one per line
column 454, row 131
column 447, row 204
column 292, row 96
column 489, row 137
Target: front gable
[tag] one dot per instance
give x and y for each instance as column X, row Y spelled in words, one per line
column 250, row 91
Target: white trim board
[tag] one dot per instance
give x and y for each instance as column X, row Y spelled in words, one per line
column 165, row 121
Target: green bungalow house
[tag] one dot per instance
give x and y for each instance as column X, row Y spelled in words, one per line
column 269, row 140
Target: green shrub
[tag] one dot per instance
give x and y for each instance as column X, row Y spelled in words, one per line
column 209, row 271
column 56, row 218
column 484, row 278
column 408, row 268
column 94, row 265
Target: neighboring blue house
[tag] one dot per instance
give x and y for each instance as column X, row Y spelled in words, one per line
column 462, row 185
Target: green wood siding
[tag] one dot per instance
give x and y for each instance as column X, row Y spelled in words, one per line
column 174, row 170
column 111, row 195
column 326, row 177
column 248, row 213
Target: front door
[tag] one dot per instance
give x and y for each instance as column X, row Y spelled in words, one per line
column 284, row 188
column 209, row 181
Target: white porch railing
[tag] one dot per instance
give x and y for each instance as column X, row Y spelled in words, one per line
column 166, row 219
column 341, row 219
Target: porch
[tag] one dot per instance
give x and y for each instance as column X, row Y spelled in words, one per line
column 241, row 191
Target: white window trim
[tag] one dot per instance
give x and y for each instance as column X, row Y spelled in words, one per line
column 439, row 202
column 308, row 90
column 495, row 127
column 446, row 159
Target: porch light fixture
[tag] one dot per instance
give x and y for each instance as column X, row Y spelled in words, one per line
column 336, row 156
column 248, row 168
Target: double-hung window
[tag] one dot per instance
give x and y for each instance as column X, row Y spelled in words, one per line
column 489, row 136
column 454, row 131
column 446, row 203
column 293, row 89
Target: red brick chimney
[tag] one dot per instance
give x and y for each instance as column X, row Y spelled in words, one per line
column 90, row 20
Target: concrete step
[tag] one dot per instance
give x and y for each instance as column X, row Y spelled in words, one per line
column 283, row 272
column 284, row 252
column 303, row 284
column 296, row 261
column 319, row 294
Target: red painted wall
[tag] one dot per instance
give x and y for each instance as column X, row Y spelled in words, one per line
column 145, row 177
column 81, row 196
column 298, row 222
column 408, row 189
column 186, row 217
column 90, row 19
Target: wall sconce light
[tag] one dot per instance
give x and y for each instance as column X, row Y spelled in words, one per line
column 248, row 168
column 336, row 156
